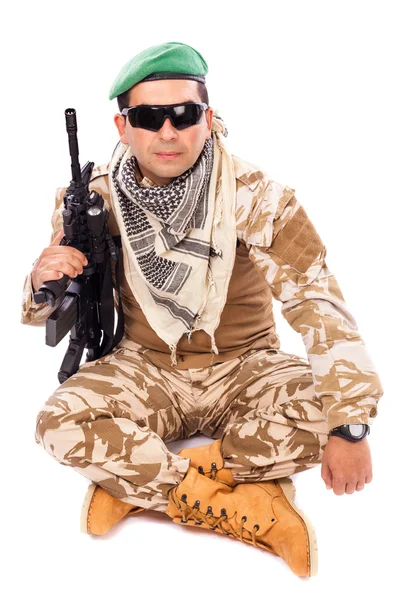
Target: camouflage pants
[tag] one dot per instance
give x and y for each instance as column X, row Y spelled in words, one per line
column 111, row 420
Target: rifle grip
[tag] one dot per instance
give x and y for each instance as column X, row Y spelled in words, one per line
column 50, row 290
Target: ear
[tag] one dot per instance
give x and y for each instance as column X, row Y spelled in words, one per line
column 120, row 124
column 209, row 118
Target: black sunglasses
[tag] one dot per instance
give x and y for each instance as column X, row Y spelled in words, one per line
column 151, row 117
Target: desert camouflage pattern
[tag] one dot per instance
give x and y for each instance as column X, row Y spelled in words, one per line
column 112, row 419
column 286, row 247
column 273, row 411
column 284, row 244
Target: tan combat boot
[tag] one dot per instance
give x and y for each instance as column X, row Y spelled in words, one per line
column 101, row 511
column 262, row 514
column 207, row 459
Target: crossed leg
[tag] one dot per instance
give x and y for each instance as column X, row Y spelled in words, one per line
column 110, row 421
column 272, row 424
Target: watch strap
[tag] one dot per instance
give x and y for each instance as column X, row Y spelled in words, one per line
column 343, row 432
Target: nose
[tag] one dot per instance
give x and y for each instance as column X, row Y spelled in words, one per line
column 168, row 131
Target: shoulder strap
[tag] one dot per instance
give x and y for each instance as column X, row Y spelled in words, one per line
column 110, row 340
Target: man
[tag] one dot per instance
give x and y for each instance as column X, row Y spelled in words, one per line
column 207, row 240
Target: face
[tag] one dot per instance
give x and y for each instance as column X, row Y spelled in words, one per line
column 148, row 146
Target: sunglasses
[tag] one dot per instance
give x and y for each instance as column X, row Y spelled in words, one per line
column 150, row 117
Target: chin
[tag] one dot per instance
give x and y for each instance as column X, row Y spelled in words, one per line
column 173, row 171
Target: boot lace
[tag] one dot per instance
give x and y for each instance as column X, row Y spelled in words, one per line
column 213, row 521
column 212, row 473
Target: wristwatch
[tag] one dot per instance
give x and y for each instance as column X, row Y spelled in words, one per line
column 353, row 432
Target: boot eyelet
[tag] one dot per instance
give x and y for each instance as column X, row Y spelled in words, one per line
column 196, row 504
column 209, row 510
column 183, row 497
column 214, row 466
column 223, row 512
column 256, row 526
column 201, row 470
column 182, row 521
column 272, row 519
column 244, row 519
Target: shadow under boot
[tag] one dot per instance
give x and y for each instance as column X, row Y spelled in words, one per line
column 101, row 511
column 255, row 513
column 208, row 460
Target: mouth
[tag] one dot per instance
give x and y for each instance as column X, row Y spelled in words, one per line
column 168, row 155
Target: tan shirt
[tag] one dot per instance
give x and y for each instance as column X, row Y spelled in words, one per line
column 280, row 255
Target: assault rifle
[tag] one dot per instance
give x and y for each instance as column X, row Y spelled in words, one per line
column 85, row 304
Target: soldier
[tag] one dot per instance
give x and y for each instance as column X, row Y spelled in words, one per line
column 208, row 239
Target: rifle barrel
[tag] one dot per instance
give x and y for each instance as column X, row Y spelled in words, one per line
column 72, row 128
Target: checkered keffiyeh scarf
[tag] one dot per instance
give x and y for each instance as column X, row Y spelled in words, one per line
column 178, row 240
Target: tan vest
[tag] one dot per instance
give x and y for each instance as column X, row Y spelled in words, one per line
column 247, row 319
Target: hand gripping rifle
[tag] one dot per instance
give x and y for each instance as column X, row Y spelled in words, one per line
column 85, row 303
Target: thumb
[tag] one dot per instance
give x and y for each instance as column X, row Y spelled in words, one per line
column 57, row 239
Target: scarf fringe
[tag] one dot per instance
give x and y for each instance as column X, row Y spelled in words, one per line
column 174, row 362
column 210, row 283
column 214, row 348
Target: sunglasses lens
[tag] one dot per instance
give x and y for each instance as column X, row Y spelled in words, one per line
column 186, row 115
column 152, row 117
column 146, row 117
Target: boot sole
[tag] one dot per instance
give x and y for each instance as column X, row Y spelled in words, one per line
column 85, row 507
column 289, row 491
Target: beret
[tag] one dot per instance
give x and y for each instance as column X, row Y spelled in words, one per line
column 172, row 60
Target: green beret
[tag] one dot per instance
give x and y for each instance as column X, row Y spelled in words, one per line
column 165, row 61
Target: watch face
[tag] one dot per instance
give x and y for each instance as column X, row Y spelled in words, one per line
column 356, row 430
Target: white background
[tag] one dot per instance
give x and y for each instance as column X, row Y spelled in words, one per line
column 309, row 92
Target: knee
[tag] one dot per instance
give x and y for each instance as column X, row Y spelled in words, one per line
column 54, row 417
column 45, row 421
column 67, row 408
column 39, row 427
column 59, row 428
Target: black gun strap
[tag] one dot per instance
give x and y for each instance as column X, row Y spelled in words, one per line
column 120, row 325
column 107, row 307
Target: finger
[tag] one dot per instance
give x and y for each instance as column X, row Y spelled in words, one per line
column 67, row 251
column 339, row 485
column 56, row 241
column 360, row 486
column 59, row 258
column 63, row 267
column 49, row 276
column 351, row 487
